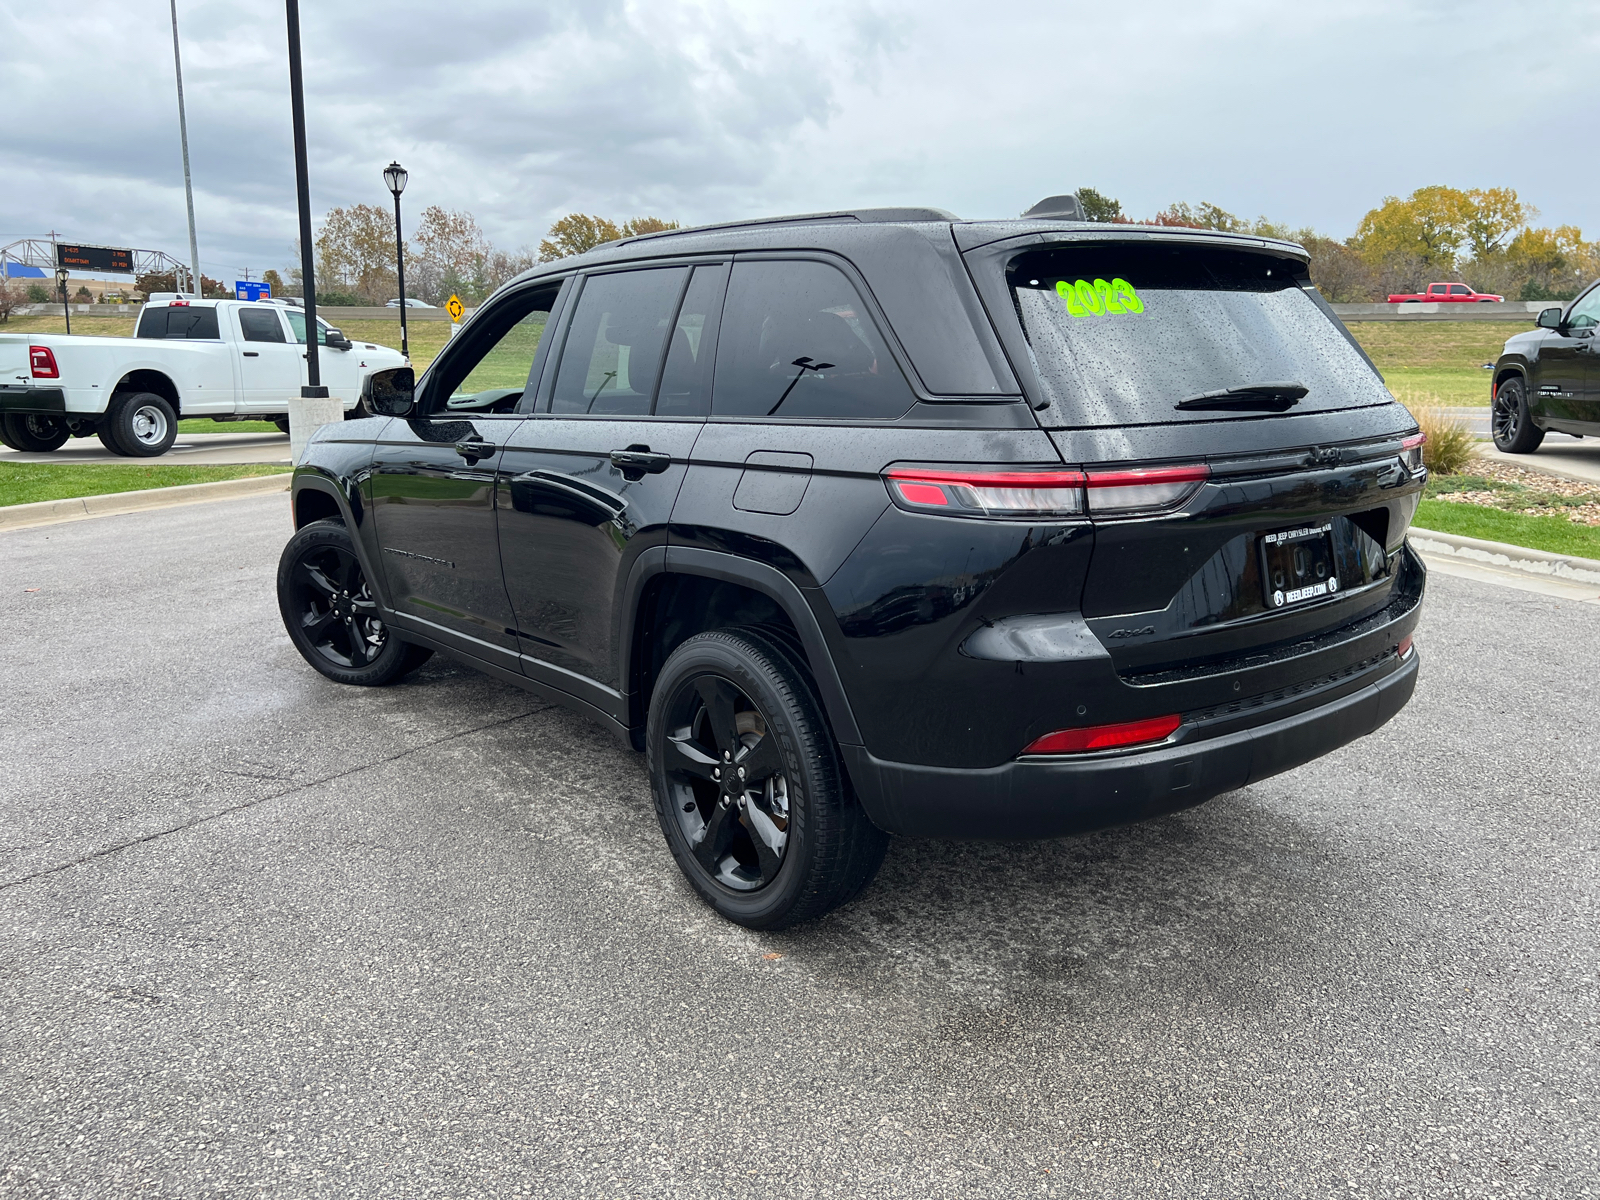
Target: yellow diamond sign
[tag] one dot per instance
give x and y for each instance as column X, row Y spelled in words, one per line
column 455, row 308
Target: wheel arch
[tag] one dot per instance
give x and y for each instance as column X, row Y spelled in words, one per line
column 146, row 379
column 673, row 593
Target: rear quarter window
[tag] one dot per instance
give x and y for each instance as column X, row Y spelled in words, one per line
column 1120, row 333
column 797, row 342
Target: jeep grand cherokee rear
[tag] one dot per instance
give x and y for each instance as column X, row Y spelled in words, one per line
column 1212, row 586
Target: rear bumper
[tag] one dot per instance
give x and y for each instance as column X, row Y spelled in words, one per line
column 1053, row 797
column 32, row 401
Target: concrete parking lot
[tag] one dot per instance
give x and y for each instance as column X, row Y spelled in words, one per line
column 264, row 936
column 190, row 450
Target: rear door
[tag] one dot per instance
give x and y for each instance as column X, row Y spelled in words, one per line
column 270, row 365
column 588, row 483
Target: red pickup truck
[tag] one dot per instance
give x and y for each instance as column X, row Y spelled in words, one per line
column 1449, row 293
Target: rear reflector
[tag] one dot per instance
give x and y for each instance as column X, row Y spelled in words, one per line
column 989, row 493
column 1104, row 737
column 42, row 363
column 1404, row 648
column 1124, row 492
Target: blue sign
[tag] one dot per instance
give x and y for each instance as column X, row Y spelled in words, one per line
column 251, row 289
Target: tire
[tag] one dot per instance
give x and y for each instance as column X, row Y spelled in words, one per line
column 786, row 843
column 140, row 425
column 33, row 433
column 282, row 423
column 330, row 612
column 1512, row 428
column 103, row 432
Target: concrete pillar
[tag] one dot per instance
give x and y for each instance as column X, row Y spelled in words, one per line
column 305, row 415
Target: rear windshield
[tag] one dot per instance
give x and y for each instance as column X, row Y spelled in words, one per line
column 182, row 322
column 1121, row 333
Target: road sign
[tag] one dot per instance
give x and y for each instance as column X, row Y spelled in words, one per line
column 252, row 289
column 455, row 308
column 95, row 258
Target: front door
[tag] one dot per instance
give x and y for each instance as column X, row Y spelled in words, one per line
column 433, row 484
column 269, row 363
column 1583, row 322
column 589, row 483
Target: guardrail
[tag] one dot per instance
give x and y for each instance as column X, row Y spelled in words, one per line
column 1510, row 310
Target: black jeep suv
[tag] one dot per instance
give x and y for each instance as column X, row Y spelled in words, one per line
column 1549, row 378
column 885, row 522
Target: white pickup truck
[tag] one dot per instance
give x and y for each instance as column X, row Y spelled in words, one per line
column 227, row 359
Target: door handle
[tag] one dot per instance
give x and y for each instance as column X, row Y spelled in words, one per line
column 251, row 353
column 473, row 451
column 637, row 461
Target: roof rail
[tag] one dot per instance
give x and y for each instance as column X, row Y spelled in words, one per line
column 866, row 216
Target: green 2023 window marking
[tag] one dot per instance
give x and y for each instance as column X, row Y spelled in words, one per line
column 1085, row 299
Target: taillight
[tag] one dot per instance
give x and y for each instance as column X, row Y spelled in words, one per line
column 1105, row 737
column 1121, row 493
column 1411, row 451
column 42, row 363
column 988, row 493
column 1404, row 648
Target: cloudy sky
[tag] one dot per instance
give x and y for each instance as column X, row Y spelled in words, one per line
column 1309, row 113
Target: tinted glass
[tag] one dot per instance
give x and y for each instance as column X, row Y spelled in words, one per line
column 1585, row 313
column 182, row 322
column 1120, row 333
column 261, row 325
column 297, row 323
column 686, row 379
column 614, row 345
column 796, row 341
column 496, row 369
column 153, row 323
column 1460, row 289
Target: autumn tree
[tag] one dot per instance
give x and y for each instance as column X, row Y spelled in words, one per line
column 576, row 233
column 355, row 252
column 1097, row 206
column 8, row 300
column 274, row 281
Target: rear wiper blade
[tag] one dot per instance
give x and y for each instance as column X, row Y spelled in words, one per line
column 1265, row 397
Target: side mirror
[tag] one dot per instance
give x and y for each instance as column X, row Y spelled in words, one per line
column 337, row 339
column 391, row 393
column 1549, row 318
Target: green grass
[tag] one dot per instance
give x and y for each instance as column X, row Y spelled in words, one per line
column 207, row 425
column 1555, row 534
column 26, row 483
column 1439, row 358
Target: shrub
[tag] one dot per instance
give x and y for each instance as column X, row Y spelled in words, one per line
column 1450, row 443
column 38, row 294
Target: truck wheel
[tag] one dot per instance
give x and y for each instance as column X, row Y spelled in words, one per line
column 140, row 424
column 34, row 433
column 748, row 786
column 1513, row 429
column 282, row 423
column 330, row 612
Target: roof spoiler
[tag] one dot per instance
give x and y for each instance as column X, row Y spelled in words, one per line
column 1056, row 208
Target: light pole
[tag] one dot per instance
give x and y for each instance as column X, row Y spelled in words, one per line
column 395, row 176
column 66, row 309
column 183, row 136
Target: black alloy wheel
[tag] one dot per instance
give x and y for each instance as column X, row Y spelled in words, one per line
column 748, row 785
column 1513, row 430
column 33, row 433
column 330, row 612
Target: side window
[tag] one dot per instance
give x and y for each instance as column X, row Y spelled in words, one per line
column 614, row 345
column 1586, row 312
column 297, row 322
column 260, row 325
column 686, row 379
column 796, row 341
column 493, row 371
column 1460, row 289
column 192, row 324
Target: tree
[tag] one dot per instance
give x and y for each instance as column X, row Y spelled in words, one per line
column 8, row 300
column 1428, row 226
column 576, row 233
column 1097, row 206
column 1492, row 215
column 167, row 281
column 274, row 281
column 640, row 226
column 355, row 252
column 1203, row 216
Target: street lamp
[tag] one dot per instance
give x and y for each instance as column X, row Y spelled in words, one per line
column 66, row 309
column 394, row 175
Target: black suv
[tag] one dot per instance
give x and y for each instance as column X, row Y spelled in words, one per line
column 1549, row 378
column 885, row 522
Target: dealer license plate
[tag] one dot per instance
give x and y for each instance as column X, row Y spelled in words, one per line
column 1297, row 565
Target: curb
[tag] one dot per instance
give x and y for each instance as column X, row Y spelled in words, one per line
column 1505, row 556
column 50, row 512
